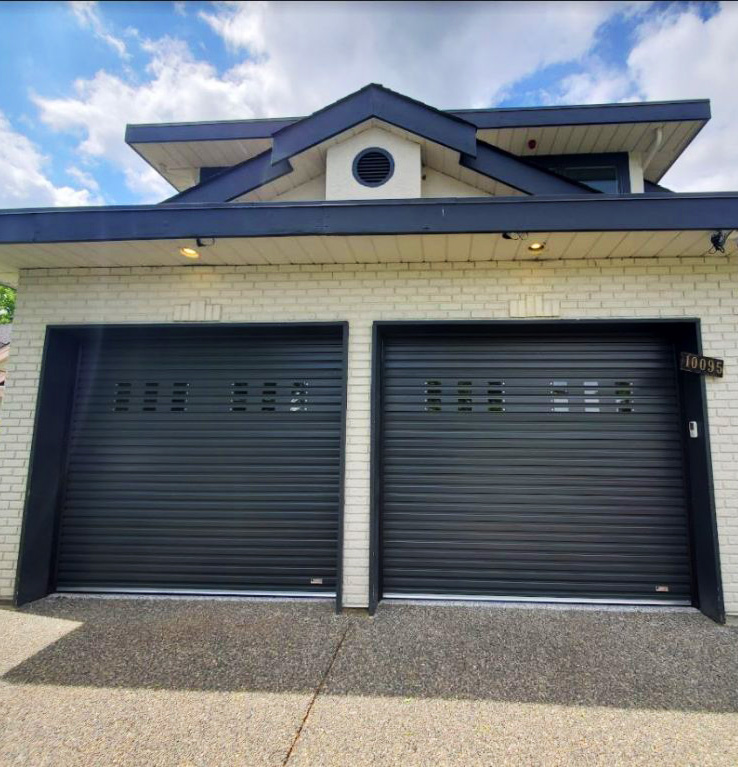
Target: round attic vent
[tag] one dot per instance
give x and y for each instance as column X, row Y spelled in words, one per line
column 373, row 166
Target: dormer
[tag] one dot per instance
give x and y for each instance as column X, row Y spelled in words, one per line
column 377, row 144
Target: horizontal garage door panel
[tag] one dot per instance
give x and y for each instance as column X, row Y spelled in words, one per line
column 205, row 460
column 522, row 465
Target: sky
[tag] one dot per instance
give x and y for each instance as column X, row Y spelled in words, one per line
column 73, row 74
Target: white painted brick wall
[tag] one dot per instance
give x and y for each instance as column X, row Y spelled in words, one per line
column 670, row 287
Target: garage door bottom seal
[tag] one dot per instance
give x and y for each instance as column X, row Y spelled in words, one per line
column 541, row 600
column 197, row 592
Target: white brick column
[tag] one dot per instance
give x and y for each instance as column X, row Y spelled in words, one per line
column 356, row 489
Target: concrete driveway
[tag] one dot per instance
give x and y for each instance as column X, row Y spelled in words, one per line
column 114, row 681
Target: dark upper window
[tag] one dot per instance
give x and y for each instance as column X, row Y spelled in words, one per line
column 607, row 173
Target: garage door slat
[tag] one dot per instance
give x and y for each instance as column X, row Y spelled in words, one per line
column 204, row 459
column 532, row 464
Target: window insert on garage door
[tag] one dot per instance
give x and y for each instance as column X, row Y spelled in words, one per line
column 557, row 396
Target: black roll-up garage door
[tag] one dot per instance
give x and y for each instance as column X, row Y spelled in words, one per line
column 204, row 460
column 541, row 464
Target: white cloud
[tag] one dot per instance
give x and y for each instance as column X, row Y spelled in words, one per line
column 681, row 56
column 306, row 55
column 677, row 55
column 176, row 87
column 24, row 182
column 86, row 13
column 597, row 85
column 82, row 177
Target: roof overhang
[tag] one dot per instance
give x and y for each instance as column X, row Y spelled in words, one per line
column 176, row 150
column 557, row 213
column 335, row 232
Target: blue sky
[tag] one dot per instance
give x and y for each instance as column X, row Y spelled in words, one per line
column 73, row 74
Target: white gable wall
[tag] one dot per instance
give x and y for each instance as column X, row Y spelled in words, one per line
column 432, row 184
column 340, row 183
column 436, row 184
column 310, row 190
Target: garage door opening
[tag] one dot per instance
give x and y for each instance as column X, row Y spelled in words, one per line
column 191, row 459
column 538, row 461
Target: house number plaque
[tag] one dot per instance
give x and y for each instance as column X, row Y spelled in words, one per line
column 696, row 363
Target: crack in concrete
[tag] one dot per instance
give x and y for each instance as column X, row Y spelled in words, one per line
column 314, row 697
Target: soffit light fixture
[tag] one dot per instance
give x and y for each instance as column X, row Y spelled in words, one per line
column 534, row 247
column 201, row 242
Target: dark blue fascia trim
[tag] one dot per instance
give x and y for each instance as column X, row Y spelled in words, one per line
column 581, row 213
column 650, row 188
column 229, row 130
column 209, row 172
column 374, row 101
column 617, row 159
column 235, row 181
column 519, row 173
column 594, row 114
column 600, row 114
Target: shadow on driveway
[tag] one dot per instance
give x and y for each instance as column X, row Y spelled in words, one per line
column 645, row 660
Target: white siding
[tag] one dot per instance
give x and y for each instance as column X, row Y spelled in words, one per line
column 435, row 184
column 310, row 190
column 340, row 183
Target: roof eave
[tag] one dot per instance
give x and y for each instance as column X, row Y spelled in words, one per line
column 654, row 212
column 484, row 119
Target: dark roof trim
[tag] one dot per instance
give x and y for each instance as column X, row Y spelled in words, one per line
column 374, row 101
column 650, row 188
column 526, row 117
column 229, row 130
column 519, row 174
column 583, row 213
column 591, row 114
column 235, row 181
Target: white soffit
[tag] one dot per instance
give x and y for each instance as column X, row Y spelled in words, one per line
column 179, row 162
column 358, row 250
column 590, row 139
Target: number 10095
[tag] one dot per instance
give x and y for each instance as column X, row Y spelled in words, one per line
column 696, row 363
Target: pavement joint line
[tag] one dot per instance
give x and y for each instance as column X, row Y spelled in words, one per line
column 315, row 695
